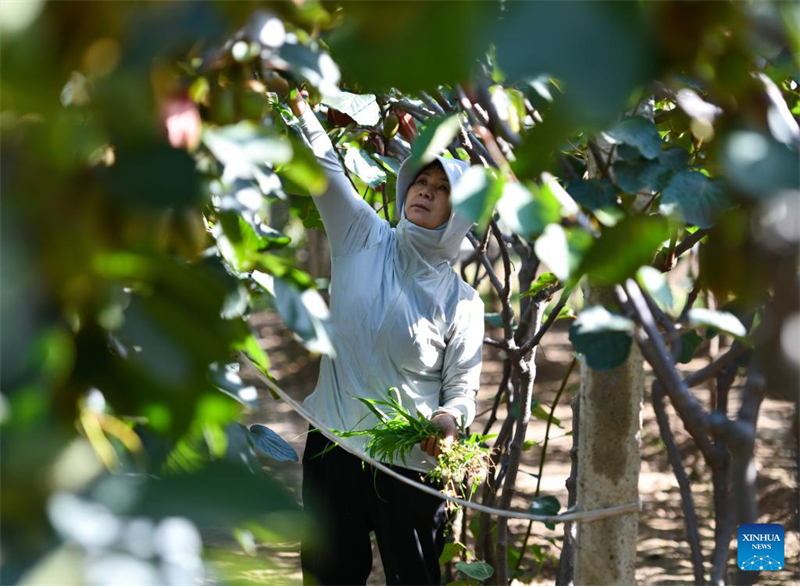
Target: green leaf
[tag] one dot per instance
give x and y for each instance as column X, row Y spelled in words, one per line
column 602, row 336
column 359, row 163
column 226, row 378
column 477, row 570
column 674, row 158
column 475, row 194
column 636, row 174
column 306, row 314
column 450, row 551
column 389, row 163
column 695, row 198
column 722, row 321
column 623, row 248
column 639, row 133
column 655, row 283
column 271, row 444
column 241, row 245
column 552, row 248
column 242, row 146
column 317, row 68
column 409, row 45
column 280, row 268
column 689, row 343
column 525, row 212
column 593, row 193
column 433, row 139
column 528, row 444
column 544, row 281
column 539, row 413
column 205, row 497
column 154, row 174
column 546, row 505
column 363, row 109
column 758, row 165
column 303, row 175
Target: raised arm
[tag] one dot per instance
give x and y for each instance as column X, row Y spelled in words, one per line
column 350, row 222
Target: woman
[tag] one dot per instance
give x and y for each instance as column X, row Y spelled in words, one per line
column 402, row 318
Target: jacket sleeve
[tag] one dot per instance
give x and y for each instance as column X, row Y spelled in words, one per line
column 350, row 222
column 463, row 358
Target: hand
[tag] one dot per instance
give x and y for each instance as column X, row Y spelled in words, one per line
column 281, row 86
column 433, row 445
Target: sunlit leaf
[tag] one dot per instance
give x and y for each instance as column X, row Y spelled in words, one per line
column 528, row 212
column 544, row 281
column 303, row 175
column 389, row 163
column 360, row 164
column 246, row 145
column 363, row 109
column 655, row 283
column 433, row 139
column 477, row 570
column 226, row 378
column 475, row 194
column 306, row 314
column 451, row 551
column 316, row 67
column 722, row 321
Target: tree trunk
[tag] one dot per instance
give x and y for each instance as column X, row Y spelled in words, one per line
column 608, row 465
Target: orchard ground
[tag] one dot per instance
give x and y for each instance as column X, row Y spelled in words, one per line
column 663, row 553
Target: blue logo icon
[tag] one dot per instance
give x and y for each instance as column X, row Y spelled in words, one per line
column 760, row 547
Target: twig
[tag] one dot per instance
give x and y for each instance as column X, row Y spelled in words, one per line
column 527, row 377
column 431, row 103
column 385, row 203
column 687, row 500
column 419, row 112
column 690, row 299
column 688, row 242
column 551, row 319
column 503, row 344
column 694, row 417
column 505, row 295
column 543, row 456
column 720, row 479
column 702, row 375
column 502, row 389
column 566, row 562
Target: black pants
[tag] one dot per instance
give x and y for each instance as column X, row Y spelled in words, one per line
column 346, row 501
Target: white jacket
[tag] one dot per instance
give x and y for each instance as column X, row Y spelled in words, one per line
column 402, row 316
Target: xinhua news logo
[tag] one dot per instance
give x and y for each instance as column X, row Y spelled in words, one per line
column 760, row 547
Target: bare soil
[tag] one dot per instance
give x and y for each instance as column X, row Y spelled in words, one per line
column 663, row 553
